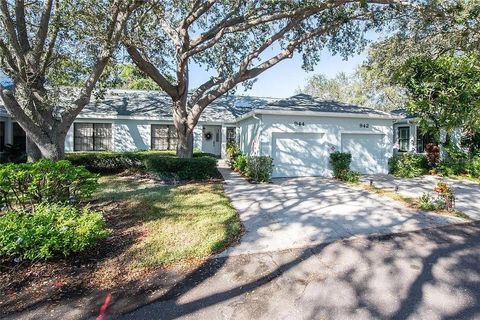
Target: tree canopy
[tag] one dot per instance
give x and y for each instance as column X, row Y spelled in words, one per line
column 46, row 44
column 444, row 92
column 235, row 41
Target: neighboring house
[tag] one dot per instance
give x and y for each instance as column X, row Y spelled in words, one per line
column 299, row 133
column 408, row 135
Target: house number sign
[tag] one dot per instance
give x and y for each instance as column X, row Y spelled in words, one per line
column 364, row 125
column 299, row 123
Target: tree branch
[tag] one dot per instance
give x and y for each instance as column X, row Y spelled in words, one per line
column 21, row 26
column 151, row 71
column 43, row 29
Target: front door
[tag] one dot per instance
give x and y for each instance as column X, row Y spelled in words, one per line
column 212, row 139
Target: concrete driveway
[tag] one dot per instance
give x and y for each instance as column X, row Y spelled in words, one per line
column 467, row 193
column 302, row 212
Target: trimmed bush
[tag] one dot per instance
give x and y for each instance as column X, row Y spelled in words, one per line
column 340, row 162
column 408, row 165
column 198, row 168
column 259, row 168
column 44, row 180
column 454, row 163
column 50, row 230
column 106, row 162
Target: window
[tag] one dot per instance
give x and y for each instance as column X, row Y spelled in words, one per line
column 92, row 136
column 163, row 137
column 403, row 139
column 19, row 138
column 422, row 140
column 231, row 134
column 2, row 136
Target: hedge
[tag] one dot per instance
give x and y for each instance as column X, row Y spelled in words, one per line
column 408, row 165
column 197, row 168
column 106, row 162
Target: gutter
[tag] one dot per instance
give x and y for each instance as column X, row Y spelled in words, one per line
column 253, row 114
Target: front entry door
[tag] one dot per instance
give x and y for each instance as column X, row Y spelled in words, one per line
column 212, row 139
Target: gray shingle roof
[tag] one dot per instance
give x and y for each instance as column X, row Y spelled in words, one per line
column 305, row 102
column 156, row 104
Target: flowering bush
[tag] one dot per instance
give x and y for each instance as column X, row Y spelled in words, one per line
column 49, row 230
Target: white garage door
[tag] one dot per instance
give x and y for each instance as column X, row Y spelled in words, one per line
column 299, row 155
column 368, row 152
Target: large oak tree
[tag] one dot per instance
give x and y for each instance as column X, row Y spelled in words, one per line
column 43, row 43
column 236, row 41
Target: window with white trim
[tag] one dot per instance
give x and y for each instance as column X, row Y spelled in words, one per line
column 404, row 139
column 164, row 137
column 92, row 136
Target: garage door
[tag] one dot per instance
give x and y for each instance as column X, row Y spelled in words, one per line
column 299, row 155
column 368, row 152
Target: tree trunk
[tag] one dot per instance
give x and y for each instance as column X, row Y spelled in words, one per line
column 33, row 152
column 185, row 145
column 184, row 132
column 53, row 149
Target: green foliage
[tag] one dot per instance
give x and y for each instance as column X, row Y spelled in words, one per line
column 408, row 165
column 45, row 180
column 240, row 163
column 443, row 92
column 361, row 88
column 350, row 176
column 454, row 163
column 105, row 162
column 340, row 162
column 259, row 168
column 49, row 230
column 427, row 202
column 472, row 167
column 199, row 168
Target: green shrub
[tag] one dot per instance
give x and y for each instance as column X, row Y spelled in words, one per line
column 106, row 162
column 472, row 167
column 408, row 165
column 340, row 162
column 259, row 168
column 51, row 229
column 454, row 163
column 232, row 151
column 350, row 176
column 427, row 202
column 240, row 163
column 44, row 180
column 198, row 168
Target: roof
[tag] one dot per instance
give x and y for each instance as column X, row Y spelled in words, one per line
column 403, row 113
column 305, row 103
column 5, row 81
column 159, row 105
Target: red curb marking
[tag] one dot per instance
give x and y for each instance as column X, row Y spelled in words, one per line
column 103, row 308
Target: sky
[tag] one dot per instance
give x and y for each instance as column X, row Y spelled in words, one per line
column 284, row 79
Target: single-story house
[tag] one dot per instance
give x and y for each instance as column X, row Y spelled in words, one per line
column 299, row 132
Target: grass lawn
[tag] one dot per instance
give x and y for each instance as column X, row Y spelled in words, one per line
column 158, row 232
column 178, row 223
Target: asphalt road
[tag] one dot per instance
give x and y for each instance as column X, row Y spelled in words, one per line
column 428, row 274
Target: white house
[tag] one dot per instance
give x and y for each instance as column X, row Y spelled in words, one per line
column 299, row 133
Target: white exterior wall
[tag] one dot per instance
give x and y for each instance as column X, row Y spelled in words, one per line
column 329, row 128
column 132, row 134
column 248, row 135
